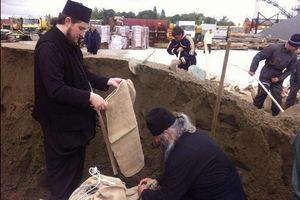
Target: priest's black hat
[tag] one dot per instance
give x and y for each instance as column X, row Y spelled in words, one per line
column 158, row 120
column 77, row 11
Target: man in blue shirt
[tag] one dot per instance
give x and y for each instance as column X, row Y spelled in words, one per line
column 279, row 63
column 92, row 40
column 183, row 45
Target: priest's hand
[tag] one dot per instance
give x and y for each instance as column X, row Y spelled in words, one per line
column 97, row 102
column 114, row 82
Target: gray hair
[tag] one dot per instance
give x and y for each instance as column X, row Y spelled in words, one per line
column 182, row 124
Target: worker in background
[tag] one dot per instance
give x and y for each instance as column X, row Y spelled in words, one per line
column 194, row 167
column 184, row 46
column 280, row 61
column 64, row 103
column 294, row 85
column 208, row 40
column 296, row 168
column 247, row 25
column 198, row 32
column 92, row 39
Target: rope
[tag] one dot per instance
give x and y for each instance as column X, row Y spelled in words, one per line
column 95, row 173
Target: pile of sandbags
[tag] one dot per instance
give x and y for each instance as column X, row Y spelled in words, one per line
column 140, row 37
column 105, row 33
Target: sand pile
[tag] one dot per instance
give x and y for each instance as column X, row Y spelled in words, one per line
column 258, row 144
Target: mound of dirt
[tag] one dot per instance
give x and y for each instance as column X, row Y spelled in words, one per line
column 258, row 144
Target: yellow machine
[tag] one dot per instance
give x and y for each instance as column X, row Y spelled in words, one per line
column 170, row 30
column 44, row 24
column 30, row 25
column 13, row 24
column 16, row 24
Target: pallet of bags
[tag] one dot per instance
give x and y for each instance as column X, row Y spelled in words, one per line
column 105, row 33
column 140, row 37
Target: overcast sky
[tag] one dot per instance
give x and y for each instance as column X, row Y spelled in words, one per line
column 235, row 10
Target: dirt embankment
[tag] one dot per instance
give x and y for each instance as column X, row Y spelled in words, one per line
column 258, row 144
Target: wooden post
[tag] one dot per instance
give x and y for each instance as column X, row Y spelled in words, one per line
column 220, row 91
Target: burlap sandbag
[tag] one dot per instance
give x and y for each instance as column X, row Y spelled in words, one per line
column 122, row 128
column 110, row 188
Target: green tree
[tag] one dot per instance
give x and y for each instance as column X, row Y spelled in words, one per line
column 126, row 15
column 197, row 17
column 162, row 14
column 147, row 14
column 210, row 20
column 200, row 19
column 224, row 21
column 174, row 18
column 106, row 14
column 155, row 12
column 95, row 14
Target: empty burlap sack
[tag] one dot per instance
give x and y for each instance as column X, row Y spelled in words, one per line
column 122, row 128
column 110, row 188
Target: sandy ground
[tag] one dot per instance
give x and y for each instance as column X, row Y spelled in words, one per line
column 258, row 144
column 236, row 74
column 236, row 70
column 237, row 66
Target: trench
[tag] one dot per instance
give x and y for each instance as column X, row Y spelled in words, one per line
column 258, row 144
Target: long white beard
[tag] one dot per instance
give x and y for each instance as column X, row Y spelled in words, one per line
column 167, row 147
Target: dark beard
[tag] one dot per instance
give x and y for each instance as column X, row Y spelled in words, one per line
column 69, row 38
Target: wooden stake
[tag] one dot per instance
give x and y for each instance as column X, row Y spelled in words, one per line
column 220, row 92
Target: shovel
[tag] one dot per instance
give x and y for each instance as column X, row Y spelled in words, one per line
column 263, row 87
column 133, row 63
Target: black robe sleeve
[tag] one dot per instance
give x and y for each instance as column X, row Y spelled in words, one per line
column 52, row 74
